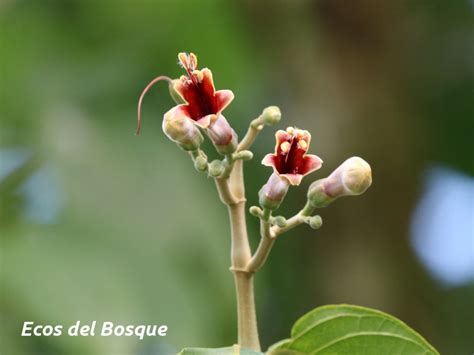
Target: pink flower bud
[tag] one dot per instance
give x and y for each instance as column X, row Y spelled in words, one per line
column 353, row 177
column 222, row 135
column 273, row 192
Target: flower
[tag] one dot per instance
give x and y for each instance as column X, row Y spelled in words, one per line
column 290, row 160
column 203, row 103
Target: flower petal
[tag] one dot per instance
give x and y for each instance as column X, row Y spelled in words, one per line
column 280, row 137
column 206, row 121
column 269, row 160
column 178, row 112
column 293, row 179
column 206, row 82
column 222, row 99
column 310, row 163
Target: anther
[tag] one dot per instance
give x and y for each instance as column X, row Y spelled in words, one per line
column 285, row 147
column 303, row 144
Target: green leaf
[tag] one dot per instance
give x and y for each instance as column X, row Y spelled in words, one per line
column 345, row 329
column 233, row 350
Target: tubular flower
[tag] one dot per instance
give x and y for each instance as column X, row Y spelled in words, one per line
column 203, row 103
column 199, row 103
column 290, row 160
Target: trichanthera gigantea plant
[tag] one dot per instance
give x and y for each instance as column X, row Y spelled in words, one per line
column 198, row 115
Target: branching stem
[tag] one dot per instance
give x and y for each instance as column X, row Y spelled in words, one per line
column 294, row 221
column 254, row 129
column 266, row 243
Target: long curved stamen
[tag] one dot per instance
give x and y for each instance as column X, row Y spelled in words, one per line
column 189, row 63
column 153, row 82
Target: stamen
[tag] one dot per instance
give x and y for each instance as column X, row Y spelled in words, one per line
column 193, row 61
column 303, row 144
column 189, row 63
column 183, row 59
column 153, row 82
column 285, row 147
column 290, row 130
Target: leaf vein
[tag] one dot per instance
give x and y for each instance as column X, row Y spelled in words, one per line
column 353, row 335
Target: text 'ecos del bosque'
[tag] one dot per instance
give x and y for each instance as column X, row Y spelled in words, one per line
column 106, row 329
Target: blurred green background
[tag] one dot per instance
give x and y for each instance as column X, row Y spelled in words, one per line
column 99, row 224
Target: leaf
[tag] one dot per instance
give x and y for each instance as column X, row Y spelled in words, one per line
column 233, row 350
column 345, row 329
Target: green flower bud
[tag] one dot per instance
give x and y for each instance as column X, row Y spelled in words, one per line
column 270, row 116
column 243, row 155
column 182, row 131
column 280, row 221
column 200, row 163
column 216, row 168
column 273, row 192
column 315, row 222
column 256, row 211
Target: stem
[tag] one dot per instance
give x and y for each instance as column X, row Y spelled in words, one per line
column 294, row 221
column 266, row 243
column 254, row 129
column 232, row 193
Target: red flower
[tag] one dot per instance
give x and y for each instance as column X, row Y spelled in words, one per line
column 290, row 160
column 203, row 103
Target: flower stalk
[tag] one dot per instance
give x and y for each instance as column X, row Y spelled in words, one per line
column 231, row 192
column 198, row 113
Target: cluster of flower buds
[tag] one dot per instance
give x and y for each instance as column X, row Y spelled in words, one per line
column 290, row 164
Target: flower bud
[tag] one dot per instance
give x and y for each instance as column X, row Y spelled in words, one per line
column 200, row 163
column 243, row 155
column 222, row 135
column 182, row 131
column 280, row 221
column 315, row 222
column 271, row 115
column 317, row 196
column 273, row 192
column 256, row 211
column 353, row 177
column 216, row 168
